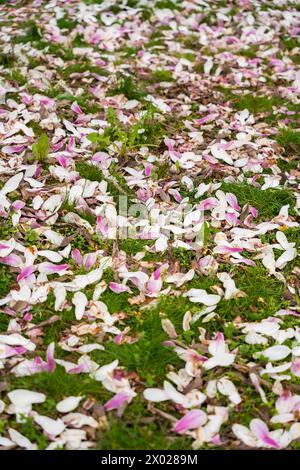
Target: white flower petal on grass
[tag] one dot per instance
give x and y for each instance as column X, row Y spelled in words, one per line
column 255, row 338
column 50, row 426
column 230, row 288
column 245, row 435
column 52, row 203
column 15, row 339
column 295, row 431
column 220, row 353
column 275, row 353
column 83, row 280
column 6, row 247
column 221, row 154
column 186, row 321
column 286, row 257
column 168, row 328
column 80, row 301
column 190, row 400
column 105, row 373
column 155, row 394
column 5, row 442
column 54, row 237
column 23, row 398
column 2, row 406
column 282, row 418
column 296, row 351
column 268, row 328
column 201, row 296
column 282, row 240
column 227, row 388
column 52, row 256
column 223, row 361
column 21, row 440
column 12, row 184
column 78, row 420
column 60, row 293
column 68, row 404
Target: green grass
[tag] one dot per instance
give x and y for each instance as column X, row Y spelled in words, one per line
column 16, row 76
column 32, row 33
column 7, row 279
column 146, row 359
column 7, row 60
column 89, row 171
column 162, row 76
column 289, row 139
column 128, row 87
column 81, row 67
column 136, row 432
column 250, row 52
column 84, row 214
column 57, row 386
column 257, row 104
column 93, row 173
column 41, row 149
column 268, row 202
column 66, row 23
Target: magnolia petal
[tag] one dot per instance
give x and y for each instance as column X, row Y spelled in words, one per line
column 50, row 426
column 21, row 440
column 193, row 419
column 276, row 353
column 68, row 404
column 245, row 435
column 22, row 397
column 80, row 301
column 261, row 431
column 155, row 394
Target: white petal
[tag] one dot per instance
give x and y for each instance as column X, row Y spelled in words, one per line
column 276, row 353
column 4, row 442
column 80, row 301
column 77, row 420
column 288, row 255
column 53, row 427
column 227, row 388
column 201, row 296
column 24, row 398
column 12, row 184
column 21, row 440
column 155, row 394
column 2, row 406
column 245, row 435
column 221, row 154
column 68, row 404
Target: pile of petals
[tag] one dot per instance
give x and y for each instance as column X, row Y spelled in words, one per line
column 149, row 154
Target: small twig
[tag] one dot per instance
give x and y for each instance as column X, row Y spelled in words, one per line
column 162, row 414
column 115, row 183
column 51, row 320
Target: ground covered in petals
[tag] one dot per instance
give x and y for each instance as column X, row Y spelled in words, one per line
column 149, row 230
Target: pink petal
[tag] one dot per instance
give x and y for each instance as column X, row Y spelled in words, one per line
column 76, row 108
column 118, row 400
column 50, row 358
column 118, row 288
column 261, row 431
column 52, row 268
column 76, row 256
column 193, row 419
column 233, row 202
column 26, row 272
